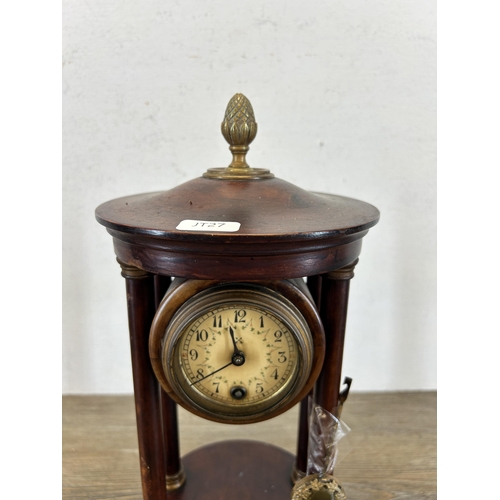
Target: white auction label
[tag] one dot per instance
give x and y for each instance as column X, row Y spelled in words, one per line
column 209, row 226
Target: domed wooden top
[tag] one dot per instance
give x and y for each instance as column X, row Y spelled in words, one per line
column 276, row 229
column 270, row 209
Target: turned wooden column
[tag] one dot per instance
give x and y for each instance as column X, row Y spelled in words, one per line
column 333, row 313
column 141, row 309
column 300, row 469
column 175, row 475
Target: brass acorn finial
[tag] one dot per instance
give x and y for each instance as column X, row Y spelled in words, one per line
column 239, row 128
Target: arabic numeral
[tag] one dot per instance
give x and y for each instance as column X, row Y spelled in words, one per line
column 239, row 315
column 277, row 335
column 282, row 357
column 201, row 335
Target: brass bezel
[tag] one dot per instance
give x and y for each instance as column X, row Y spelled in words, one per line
column 182, row 290
column 249, row 295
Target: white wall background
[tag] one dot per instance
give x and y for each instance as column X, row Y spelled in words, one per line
column 344, row 96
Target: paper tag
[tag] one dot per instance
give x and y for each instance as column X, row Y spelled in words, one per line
column 208, row 226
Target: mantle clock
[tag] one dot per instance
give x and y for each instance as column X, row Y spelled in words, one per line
column 237, row 288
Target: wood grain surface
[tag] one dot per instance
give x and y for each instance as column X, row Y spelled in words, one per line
column 389, row 454
column 237, row 469
column 285, row 232
column 272, row 209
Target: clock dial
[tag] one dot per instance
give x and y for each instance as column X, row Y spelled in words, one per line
column 238, row 354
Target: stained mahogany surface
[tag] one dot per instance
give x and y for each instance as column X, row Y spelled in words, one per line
column 239, row 469
column 271, row 208
column 141, row 308
column 335, row 296
column 286, row 232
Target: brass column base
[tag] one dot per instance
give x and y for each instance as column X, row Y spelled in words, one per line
column 297, row 474
column 175, row 481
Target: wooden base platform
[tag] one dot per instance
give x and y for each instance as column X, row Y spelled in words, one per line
column 243, row 470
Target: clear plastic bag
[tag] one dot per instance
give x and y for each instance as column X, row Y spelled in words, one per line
column 325, row 432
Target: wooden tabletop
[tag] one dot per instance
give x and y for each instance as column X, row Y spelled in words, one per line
column 390, row 452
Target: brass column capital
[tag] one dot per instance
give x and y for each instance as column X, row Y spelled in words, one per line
column 130, row 271
column 344, row 273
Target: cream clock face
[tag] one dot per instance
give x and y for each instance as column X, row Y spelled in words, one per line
column 236, row 353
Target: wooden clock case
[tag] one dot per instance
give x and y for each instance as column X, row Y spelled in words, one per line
column 285, row 233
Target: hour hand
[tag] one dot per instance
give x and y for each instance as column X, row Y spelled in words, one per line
column 238, row 357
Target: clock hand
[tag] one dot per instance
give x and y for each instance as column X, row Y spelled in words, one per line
column 238, row 357
column 210, row 374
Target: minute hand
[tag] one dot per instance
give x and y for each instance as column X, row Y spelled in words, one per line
column 210, row 374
